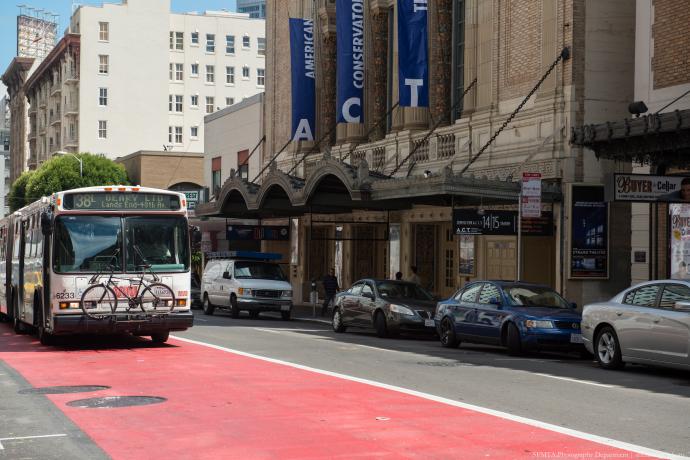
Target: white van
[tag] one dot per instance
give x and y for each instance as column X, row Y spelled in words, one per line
column 245, row 280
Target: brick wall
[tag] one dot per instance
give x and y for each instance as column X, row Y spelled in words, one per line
column 671, row 37
column 521, row 29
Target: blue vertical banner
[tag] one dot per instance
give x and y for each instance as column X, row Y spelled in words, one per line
column 350, row 60
column 413, row 59
column 302, row 54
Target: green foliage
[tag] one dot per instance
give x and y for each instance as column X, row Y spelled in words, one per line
column 62, row 173
column 17, row 193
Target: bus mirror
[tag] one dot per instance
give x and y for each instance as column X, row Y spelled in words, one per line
column 196, row 236
column 46, row 223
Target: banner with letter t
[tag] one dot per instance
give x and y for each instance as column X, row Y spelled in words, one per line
column 302, row 54
column 413, row 59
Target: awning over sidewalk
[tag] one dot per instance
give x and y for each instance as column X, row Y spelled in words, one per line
column 658, row 139
column 337, row 187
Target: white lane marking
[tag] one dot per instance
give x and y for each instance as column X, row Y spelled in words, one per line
column 30, row 437
column 269, row 329
column 484, row 410
column 585, row 382
column 201, row 320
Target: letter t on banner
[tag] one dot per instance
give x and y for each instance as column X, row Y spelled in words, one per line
column 302, row 54
column 413, row 59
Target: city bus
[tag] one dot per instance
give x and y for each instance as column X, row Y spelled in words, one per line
column 121, row 238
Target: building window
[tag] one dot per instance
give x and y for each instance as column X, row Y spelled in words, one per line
column 179, row 40
column 102, row 97
column 210, row 43
column 175, row 134
column 102, row 129
column 260, row 77
column 261, row 43
column 195, row 100
column 195, row 70
column 178, row 103
column 103, row 64
column 243, row 164
column 209, row 104
column 195, row 38
column 170, row 103
column 194, row 132
column 245, row 72
column 172, row 41
column 210, row 74
column 246, row 41
column 229, row 101
column 171, row 66
column 103, row 31
column 215, row 175
column 230, row 75
column 458, row 72
column 179, row 72
column 230, row 44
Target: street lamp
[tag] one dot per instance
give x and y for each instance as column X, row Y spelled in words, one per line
column 81, row 163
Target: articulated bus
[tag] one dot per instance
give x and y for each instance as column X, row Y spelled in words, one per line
column 120, row 239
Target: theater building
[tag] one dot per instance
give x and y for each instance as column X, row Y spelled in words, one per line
column 438, row 187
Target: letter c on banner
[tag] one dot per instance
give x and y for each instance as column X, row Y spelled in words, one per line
column 347, row 113
column 303, row 131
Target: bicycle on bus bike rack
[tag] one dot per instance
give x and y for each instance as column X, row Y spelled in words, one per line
column 155, row 299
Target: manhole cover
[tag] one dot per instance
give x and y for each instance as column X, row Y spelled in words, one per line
column 443, row 364
column 63, row 389
column 116, row 401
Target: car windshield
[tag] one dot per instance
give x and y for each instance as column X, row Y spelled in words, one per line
column 95, row 243
column 535, row 296
column 401, row 290
column 258, row 270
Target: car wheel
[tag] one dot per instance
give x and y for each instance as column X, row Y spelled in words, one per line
column 253, row 314
column 338, row 325
column 513, row 342
column 448, row 337
column 234, row 308
column 607, row 349
column 285, row 315
column 160, row 337
column 380, row 325
column 208, row 307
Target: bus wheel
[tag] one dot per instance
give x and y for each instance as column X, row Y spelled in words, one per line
column 160, row 337
column 45, row 337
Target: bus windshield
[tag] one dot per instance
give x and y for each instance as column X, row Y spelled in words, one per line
column 95, row 243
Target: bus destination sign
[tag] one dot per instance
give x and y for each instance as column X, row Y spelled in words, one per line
column 121, row 202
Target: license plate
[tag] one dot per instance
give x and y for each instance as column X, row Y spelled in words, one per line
column 429, row 323
column 576, row 338
column 285, row 308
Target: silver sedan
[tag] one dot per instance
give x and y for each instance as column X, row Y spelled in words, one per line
column 648, row 323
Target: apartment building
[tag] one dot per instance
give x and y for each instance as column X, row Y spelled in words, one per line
column 5, row 154
column 254, row 8
column 134, row 77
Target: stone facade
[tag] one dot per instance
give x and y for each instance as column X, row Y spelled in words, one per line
column 671, row 34
column 14, row 78
column 164, row 170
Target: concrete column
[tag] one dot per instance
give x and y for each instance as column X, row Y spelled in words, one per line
column 440, row 58
column 377, row 85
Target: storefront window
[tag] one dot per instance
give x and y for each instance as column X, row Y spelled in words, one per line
column 680, row 241
column 467, row 265
column 394, row 250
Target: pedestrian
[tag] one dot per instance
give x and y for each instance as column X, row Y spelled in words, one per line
column 330, row 287
column 398, row 276
column 415, row 277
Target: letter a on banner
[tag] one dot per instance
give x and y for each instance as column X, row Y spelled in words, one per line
column 302, row 56
column 413, row 60
column 350, row 32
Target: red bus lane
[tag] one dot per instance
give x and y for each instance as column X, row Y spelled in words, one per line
column 227, row 405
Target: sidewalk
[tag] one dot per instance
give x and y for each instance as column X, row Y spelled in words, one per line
column 306, row 312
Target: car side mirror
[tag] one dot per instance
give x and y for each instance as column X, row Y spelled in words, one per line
column 573, row 305
column 682, row 306
column 196, row 236
column 226, row 275
column 46, row 223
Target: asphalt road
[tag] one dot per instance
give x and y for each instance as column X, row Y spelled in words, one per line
column 641, row 405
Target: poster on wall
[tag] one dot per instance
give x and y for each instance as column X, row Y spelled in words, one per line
column 589, row 233
column 467, row 265
column 679, row 256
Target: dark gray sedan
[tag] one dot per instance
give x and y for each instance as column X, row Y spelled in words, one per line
column 648, row 324
column 390, row 307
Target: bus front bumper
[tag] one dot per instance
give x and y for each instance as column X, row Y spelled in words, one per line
column 135, row 324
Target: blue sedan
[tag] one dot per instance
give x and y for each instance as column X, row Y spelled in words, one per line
column 516, row 315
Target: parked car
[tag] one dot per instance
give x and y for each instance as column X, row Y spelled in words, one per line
column 648, row 323
column 245, row 280
column 195, row 293
column 390, row 307
column 516, row 315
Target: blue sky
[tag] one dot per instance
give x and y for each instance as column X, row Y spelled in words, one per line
column 9, row 11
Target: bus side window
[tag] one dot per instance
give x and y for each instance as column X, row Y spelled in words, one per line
column 39, row 242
